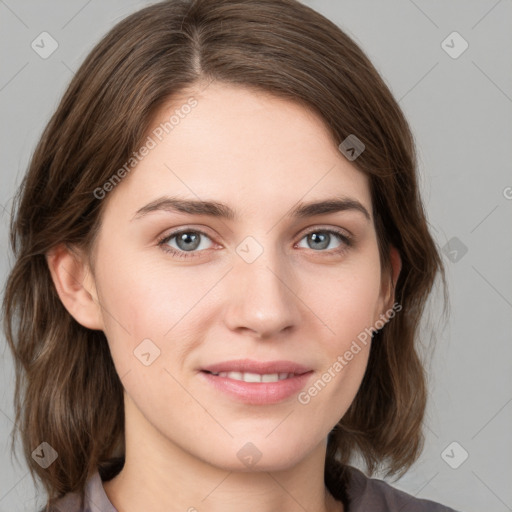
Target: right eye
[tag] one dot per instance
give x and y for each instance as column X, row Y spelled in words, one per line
column 187, row 242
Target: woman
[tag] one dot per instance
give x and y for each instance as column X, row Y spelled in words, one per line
column 249, row 369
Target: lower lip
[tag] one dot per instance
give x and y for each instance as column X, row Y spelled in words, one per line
column 258, row 393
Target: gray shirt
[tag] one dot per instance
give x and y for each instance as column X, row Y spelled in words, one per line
column 365, row 495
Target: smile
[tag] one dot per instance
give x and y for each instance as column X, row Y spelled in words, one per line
column 256, row 388
column 255, row 377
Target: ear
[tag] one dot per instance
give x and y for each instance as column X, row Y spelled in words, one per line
column 391, row 278
column 75, row 286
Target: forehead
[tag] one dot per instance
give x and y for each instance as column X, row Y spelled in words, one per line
column 247, row 148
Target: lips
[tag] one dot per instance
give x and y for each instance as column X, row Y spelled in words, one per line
column 255, row 377
column 257, row 382
column 257, row 367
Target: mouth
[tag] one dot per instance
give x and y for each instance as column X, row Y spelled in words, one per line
column 256, row 382
column 252, row 367
column 254, row 377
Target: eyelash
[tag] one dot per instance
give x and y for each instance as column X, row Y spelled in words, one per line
column 347, row 241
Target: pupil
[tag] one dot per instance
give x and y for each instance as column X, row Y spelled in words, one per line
column 187, row 238
column 317, row 238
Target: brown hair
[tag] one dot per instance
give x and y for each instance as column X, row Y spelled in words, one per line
column 68, row 393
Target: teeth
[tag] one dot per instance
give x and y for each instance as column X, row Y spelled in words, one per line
column 249, row 377
column 255, row 377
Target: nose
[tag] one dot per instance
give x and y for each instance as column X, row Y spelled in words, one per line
column 262, row 296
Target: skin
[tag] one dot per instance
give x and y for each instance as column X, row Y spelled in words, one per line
column 260, row 155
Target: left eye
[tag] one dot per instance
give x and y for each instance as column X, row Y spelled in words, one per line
column 321, row 239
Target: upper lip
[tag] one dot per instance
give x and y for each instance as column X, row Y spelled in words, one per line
column 260, row 367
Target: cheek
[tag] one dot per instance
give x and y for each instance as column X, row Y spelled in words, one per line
column 347, row 299
column 146, row 301
column 349, row 312
column 348, row 304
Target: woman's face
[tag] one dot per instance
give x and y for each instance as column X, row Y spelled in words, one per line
column 274, row 288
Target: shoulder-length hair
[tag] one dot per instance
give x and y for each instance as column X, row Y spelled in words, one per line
column 68, row 393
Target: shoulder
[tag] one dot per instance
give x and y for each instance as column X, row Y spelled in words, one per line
column 95, row 499
column 378, row 496
column 68, row 503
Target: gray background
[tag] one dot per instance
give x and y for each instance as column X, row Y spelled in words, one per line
column 460, row 112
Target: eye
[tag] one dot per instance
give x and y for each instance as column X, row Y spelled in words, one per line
column 187, row 241
column 320, row 239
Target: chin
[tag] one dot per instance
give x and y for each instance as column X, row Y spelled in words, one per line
column 260, row 455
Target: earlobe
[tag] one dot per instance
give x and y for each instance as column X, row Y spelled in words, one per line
column 396, row 267
column 75, row 286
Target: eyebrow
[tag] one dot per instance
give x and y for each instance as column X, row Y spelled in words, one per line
column 221, row 210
